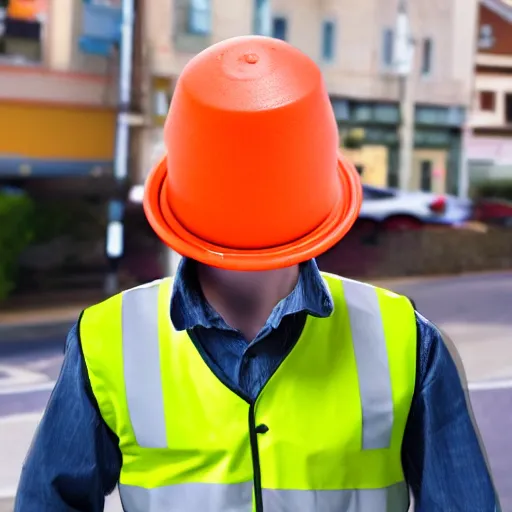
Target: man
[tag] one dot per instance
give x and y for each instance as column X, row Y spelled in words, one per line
column 253, row 382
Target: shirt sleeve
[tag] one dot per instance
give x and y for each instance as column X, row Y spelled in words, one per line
column 74, row 460
column 443, row 456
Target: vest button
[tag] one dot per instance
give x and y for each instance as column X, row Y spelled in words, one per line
column 262, row 429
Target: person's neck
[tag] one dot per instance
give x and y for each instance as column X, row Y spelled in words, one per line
column 245, row 300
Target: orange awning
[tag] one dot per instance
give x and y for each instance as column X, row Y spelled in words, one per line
column 26, row 9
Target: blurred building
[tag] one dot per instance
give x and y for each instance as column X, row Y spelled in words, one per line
column 490, row 140
column 175, row 31
column 57, row 102
column 353, row 43
column 58, row 81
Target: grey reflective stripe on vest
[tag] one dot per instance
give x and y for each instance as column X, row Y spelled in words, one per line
column 141, row 356
column 238, row 498
column 372, row 363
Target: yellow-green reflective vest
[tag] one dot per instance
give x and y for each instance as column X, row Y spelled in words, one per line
column 324, row 435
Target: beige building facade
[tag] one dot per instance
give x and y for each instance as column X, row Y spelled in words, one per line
column 353, row 44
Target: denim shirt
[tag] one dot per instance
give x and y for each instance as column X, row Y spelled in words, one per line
column 75, row 459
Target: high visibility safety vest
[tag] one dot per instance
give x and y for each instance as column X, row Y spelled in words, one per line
column 324, row 434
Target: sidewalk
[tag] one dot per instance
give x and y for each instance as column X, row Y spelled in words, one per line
column 38, row 324
column 43, row 316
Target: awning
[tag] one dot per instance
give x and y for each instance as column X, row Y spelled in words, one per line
column 54, row 140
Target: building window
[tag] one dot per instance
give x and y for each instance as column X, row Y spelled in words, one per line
column 200, row 17
column 487, row 101
column 280, row 28
column 328, row 40
column 508, row 108
column 486, row 37
column 388, row 44
column 21, row 27
column 426, row 57
column 426, row 175
column 161, row 103
column 386, row 114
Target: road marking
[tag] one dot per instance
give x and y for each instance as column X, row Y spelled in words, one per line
column 8, row 493
column 26, row 417
column 21, row 389
column 18, row 380
column 45, row 364
column 17, row 375
column 489, row 385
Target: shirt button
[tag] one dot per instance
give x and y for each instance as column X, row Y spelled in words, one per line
column 262, row 429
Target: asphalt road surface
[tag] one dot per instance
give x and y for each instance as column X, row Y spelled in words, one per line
column 474, row 310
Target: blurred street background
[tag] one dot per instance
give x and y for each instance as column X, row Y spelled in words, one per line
column 422, row 94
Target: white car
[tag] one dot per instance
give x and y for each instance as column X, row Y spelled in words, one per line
column 399, row 210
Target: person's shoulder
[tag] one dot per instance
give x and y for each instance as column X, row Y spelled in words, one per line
column 436, row 351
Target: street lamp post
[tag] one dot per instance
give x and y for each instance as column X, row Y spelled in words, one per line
column 115, row 228
column 403, row 63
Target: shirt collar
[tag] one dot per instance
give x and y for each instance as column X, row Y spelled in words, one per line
column 189, row 308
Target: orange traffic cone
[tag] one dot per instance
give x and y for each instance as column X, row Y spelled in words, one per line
column 252, row 179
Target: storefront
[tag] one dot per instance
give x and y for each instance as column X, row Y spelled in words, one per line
column 40, row 140
column 369, row 134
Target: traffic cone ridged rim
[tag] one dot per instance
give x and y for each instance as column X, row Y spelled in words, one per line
column 339, row 221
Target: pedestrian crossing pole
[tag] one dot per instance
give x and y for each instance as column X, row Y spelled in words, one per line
column 115, row 228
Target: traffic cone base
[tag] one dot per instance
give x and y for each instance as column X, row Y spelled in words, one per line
column 339, row 221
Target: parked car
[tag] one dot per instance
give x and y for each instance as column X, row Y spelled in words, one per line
column 494, row 211
column 400, row 210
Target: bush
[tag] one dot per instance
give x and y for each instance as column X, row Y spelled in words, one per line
column 495, row 189
column 15, row 234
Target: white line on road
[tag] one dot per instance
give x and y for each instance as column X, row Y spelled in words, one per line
column 16, row 380
column 28, row 417
column 21, row 389
column 7, row 493
column 489, row 385
column 17, row 375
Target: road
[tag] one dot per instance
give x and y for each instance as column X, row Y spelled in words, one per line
column 474, row 310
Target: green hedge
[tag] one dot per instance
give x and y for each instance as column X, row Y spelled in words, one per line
column 16, row 232
column 496, row 189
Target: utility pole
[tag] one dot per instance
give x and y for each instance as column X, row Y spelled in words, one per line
column 463, row 188
column 403, row 63
column 115, row 228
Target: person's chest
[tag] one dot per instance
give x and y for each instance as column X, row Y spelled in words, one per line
column 246, row 367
